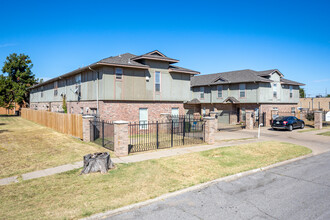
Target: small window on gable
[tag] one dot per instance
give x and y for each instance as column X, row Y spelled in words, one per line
column 119, row 73
column 42, row 92
column 219, row 91
column 242, row 90
column 291, row 91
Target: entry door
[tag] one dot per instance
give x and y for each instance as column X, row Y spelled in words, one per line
column 143, row 118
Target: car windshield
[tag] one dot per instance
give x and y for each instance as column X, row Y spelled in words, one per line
column 284, row 118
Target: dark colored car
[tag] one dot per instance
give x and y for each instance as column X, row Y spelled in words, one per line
column 288, row 123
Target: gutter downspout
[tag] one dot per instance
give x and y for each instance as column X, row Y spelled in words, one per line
column 97, row 89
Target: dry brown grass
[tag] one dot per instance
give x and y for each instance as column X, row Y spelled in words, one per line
column 69, row 195
column 26, row 146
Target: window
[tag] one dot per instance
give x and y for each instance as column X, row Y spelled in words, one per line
column 275, row 108
column 291, row 91
column 143, row 118
column 175, row 112
column 219, row 91
column 81, row 110
column 42, row 92
column 293, row 110
column 275, row 90
column 157, row 81
column 78, row 84
column 201, row 89
column 319, row 105
column 241, row 90
column 119, row 73
column 55, row 88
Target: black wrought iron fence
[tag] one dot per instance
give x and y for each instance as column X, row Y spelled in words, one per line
column 144, row 136
column 102, row 133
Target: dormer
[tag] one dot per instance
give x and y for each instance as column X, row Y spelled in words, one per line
column 155, row 59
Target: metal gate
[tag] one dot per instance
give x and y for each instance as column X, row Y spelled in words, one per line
column 102, row 133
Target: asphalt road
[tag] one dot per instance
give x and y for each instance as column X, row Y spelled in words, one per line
column 300, row 190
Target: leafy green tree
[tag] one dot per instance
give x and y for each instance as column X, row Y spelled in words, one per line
column 7, row 96
column 18, row 77
column 302, row 93
column 328, row 95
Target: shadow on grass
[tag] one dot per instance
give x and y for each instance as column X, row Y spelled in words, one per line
column 2, row 131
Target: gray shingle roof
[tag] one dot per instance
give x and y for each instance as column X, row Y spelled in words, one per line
column 290, row 82
column 126, row 60
column 231, row 99
column 173, row 68
column 239, row 76
column 123, row 59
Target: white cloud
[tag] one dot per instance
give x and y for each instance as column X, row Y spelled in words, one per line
column 7, row 45
column 44, row 78
column 321, row 80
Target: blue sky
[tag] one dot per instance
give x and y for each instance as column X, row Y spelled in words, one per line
column 208, row 36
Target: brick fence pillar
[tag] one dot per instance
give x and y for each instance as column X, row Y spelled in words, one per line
column 87, row 128
column 318, row 119
column 213, row 115
column 249, row 120
column 210, row 129
column 120, row 138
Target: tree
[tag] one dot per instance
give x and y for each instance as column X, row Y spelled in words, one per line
column 17, row 80
column 7, row 96
column 328, row 95
column 302, row 93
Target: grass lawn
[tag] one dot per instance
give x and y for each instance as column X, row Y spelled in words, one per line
column 26, row 146
column 71, row 196
column 327, row 133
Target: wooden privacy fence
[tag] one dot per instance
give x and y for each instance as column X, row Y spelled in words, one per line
column 71, row 124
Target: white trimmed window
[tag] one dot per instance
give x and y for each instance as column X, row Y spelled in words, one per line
column 119, row 73
column 157, row 81
column 293, row 109
column 143, row 118
column 242, row 88
column 42, row 92
column 291, row 91
column 219, row 91
column 201, row 90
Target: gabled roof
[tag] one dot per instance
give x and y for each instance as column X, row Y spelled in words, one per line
column 125, row 60
column 290, row 82
column 122, row 59
column 239, row 76
column 155, row 55
column 231, row 99
column 193, row 101
column 268, row 72
column 178, row 69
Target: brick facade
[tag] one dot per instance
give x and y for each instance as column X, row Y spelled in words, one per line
column 114, row 110
column 315, row 103
column 282, row 108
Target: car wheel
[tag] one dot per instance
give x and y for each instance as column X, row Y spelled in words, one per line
column 302, row 125
column 290, row 127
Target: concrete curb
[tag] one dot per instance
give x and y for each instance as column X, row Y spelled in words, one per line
column 192, row 188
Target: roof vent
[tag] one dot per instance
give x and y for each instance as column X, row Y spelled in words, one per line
column 119, row 55
column 129, row 61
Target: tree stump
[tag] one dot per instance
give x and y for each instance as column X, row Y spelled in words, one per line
column 97, row 162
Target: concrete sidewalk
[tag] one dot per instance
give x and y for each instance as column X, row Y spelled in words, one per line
column 128, row 159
